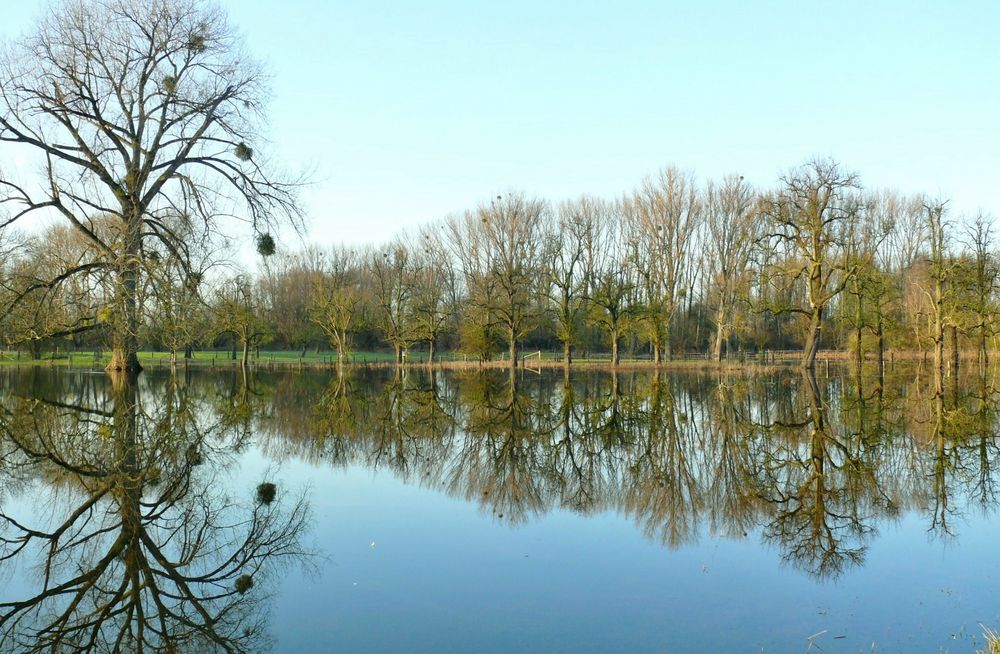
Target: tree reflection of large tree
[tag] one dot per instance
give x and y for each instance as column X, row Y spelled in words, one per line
column 821, row 487
column 141, row 549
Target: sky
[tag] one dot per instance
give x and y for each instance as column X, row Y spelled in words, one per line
column 406, row 112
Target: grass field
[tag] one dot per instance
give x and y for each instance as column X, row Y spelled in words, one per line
column 289, row 358
column 89, row 358
column 531, row 359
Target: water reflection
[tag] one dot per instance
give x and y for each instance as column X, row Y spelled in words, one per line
column 816, row 466
column 143, row 543
column 113, row 500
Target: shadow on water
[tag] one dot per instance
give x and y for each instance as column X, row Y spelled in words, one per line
column 133, row 542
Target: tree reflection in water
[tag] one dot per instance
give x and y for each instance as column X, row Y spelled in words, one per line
column 137, row 544
column 815, row 465
column 140, row 545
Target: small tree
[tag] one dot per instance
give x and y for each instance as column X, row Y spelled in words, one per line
column 611, row 296
column 982, row 282
column 337, row 300
column 391, row 272
column 238, row 311
column 569, row 268
column 733, row 227
column 435, row 291
column 500, row 247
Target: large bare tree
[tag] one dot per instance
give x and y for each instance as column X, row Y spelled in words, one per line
column 148, row 112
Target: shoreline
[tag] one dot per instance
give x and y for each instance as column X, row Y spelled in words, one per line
column 284, row 360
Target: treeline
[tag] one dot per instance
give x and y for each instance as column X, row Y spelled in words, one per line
column 671, row 268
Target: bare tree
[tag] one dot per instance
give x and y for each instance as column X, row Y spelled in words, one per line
column 660, row 220
column 868, row 286
column 732, row 228
column 392, row 276
column 435, row 290
column 286, row 285
column 569, row 268
column 337, row 299
column 239, row 310
column 940, row 270
column 612, row 294
column 49, row 290
column 982, row 282
column 144, row 112
column 895, row 257
column 809, row 215
column 499, row 248
column 177, row 314
column 907, row 237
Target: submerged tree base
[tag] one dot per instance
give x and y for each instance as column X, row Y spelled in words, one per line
column 121, row 362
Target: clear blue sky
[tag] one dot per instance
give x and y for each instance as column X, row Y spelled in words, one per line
column 409, row 111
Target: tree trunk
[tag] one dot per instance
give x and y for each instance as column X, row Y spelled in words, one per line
column 567, row 353
column 430, row 351
column 954, row 347
column 513, row 350
column 614, row 351
column 124, row 341
column 983, row 352
column 881, row 343
column 720, row 335
column 246, row 354
column 812, row 339
column 858, row 318
column 938, row 337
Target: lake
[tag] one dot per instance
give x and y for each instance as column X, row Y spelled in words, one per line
column 391, row 510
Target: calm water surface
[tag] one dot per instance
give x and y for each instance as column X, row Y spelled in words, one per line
column 479, row 512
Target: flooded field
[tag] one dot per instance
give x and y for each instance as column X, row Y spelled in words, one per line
column 389, row 511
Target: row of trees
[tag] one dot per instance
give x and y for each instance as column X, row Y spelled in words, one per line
column 672, row 267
